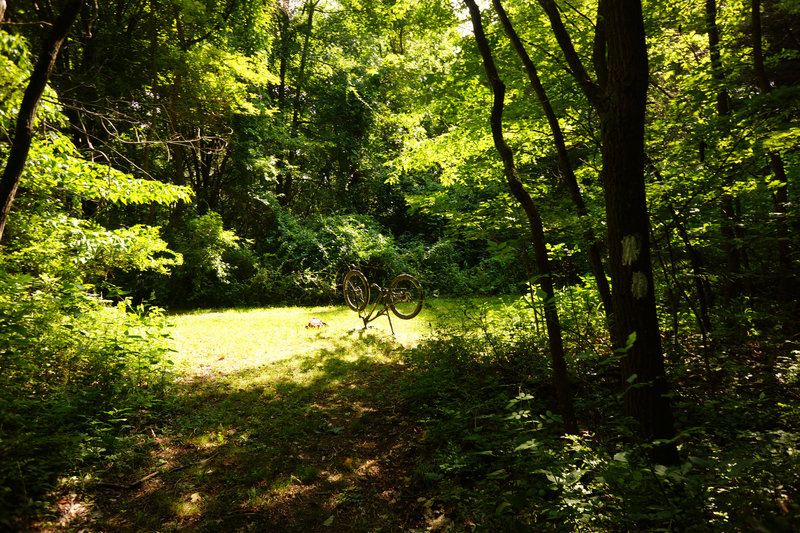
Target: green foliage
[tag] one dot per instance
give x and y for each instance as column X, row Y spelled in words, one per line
column 450, row 267
column 77, row 249
column 494, row 456
column 16, row 63
column 46, row 232
column 304, row 261
column 311, row 258
column 383, row 135
column 301, row 262
column 215, row 264
column 72, row 366
column 47, row 235
column 71, row 370
column 55, row 164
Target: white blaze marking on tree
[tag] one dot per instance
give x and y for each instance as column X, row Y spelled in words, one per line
column 630, row 249
column 639, row 285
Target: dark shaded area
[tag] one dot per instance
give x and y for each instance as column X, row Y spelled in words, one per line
column 281, row 456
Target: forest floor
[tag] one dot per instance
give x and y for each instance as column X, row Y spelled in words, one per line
column 272, row 427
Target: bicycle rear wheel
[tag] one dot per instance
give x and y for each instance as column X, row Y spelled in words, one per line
column 356, row 291
column 405, row 296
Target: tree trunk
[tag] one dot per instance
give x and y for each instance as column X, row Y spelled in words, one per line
column 622, row 136
column 620, row 103
column 781, row 197
column 23, row 135
column 729, row 222
column 564, row 165
column 560, row 380
column 287, row 186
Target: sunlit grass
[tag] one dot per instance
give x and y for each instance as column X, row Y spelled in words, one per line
column 222, row 342
column 270, row 351
column 264, row 410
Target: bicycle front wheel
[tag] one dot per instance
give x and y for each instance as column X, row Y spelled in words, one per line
column 405, row 296
column 356, row 291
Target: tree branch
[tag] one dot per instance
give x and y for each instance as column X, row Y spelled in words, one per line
column 534, row 220
column 23, row 136
column 589, row 87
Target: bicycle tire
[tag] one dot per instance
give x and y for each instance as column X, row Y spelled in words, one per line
column 356, row 291
column 406, row 296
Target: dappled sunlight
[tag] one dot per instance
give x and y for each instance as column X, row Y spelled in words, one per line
column 71, row 508
column 299, row 428
column 361, row 433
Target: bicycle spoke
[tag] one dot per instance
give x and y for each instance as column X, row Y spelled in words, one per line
column 356, row 291
column 405, row 296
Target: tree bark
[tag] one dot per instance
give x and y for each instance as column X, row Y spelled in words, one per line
column 622, row 137
column 560, row 381
column 23, row 135
column 781, row 197
column 729, row 222
column 286, row 182
column 620, row 103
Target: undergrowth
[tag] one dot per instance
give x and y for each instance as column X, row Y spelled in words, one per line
column 73, row 370
column 497, row 460
column 460, row 428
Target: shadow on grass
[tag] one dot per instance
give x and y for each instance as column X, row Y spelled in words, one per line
column 319, row 445
column 298, row 444
column 53, row 425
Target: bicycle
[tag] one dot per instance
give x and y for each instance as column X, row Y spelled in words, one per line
column 403, row 296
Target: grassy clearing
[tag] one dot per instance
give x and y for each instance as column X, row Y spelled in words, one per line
column 449, row 426
column 236, row 340
column 270, row 426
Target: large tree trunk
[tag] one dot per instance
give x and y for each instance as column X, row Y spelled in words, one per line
column 560, row 380
column 23, row 135
column 620, row 58
column 622, row 135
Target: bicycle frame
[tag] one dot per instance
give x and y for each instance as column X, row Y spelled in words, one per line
column 382, row 299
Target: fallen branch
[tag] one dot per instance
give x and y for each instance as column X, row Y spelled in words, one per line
column 151, row 475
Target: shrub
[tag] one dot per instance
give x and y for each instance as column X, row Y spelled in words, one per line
column 216, row 266
column 71, row 367
column 494, row 455
column 309, row 258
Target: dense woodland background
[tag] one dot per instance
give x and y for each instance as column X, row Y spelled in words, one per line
column 190, row 154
